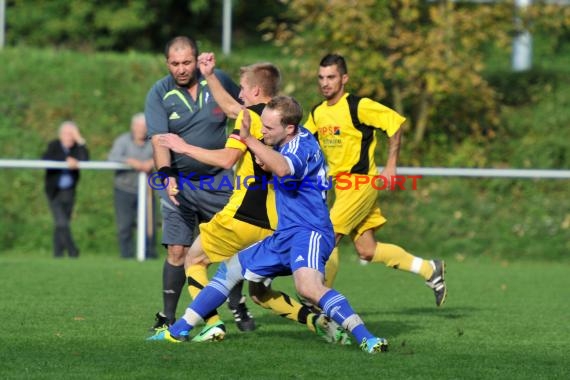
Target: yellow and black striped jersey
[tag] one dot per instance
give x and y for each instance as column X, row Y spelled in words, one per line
column 347, row 132
column 253, row 198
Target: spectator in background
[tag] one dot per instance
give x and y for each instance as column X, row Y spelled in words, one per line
column 134, row 149
column 60, row 185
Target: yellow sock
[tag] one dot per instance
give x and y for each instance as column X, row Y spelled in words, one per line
column 280, row 303
column 197, row 276
column 396, row 257
column 310, row 322
column 331, row 268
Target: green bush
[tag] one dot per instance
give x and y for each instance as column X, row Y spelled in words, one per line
column 522, row 88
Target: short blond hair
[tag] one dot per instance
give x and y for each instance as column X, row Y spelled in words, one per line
column 265, row 75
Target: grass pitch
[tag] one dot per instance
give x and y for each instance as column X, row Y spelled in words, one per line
column 88, row 318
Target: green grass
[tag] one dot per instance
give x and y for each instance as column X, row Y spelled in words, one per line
column 88, row 318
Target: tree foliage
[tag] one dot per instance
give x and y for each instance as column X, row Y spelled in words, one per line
column 428, row 56
column 424, row 58
column 81, row 25
column 550, row 18
column 120, row 25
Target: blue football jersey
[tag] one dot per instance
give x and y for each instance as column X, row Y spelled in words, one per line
column 301, row 196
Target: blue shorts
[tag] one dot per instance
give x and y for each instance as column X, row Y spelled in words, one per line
column 286, row 251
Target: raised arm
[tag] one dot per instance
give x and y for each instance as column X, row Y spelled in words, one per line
column 272, row 160
column 207, row 63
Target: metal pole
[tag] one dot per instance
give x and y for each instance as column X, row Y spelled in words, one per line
column 227, row 27
column 563, row 174
column 522, row 42
column 2, row 22
column 141, row 217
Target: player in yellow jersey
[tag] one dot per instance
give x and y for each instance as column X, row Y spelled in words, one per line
column 346, row 126
column 250, row 214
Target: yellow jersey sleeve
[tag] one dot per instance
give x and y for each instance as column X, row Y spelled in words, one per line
column 379, row 116
column 234, row 141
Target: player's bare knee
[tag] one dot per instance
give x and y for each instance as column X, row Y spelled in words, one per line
column 303, row 292
column 364, row 251
column 200, row 260
column 308, row 292
column 176, row 254
column 365, row 256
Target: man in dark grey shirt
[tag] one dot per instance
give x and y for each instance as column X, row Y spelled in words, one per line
column 182, row 103
column 134, row 149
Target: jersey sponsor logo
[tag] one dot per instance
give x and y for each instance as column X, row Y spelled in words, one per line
column 329, row 136
column 329, row 130
column 174, row 116
column 329, row 142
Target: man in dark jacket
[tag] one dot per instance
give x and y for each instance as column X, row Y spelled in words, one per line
column 60, row 184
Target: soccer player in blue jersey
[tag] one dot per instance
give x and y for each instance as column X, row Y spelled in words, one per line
column 304, row 237
column 250, row 214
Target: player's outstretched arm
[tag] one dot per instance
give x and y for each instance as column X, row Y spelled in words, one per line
column 223, row 158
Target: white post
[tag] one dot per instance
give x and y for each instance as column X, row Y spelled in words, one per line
column 141, row 217
column 2, row 22
column 227, row 27
column 522, row 42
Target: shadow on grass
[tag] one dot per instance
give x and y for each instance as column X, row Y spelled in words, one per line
column 394, row 324
column 443, row 312
column 269, row 326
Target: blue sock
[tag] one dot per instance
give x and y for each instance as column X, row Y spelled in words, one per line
column 213, row 295
column 180, row 327
column 360, row 332
column 210, row 298
column 207, row 301
column 337, row 308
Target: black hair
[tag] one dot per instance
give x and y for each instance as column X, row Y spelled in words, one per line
column 335, row 59
column 181, row 41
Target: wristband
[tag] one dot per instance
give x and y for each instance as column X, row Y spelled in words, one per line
column 168, row 171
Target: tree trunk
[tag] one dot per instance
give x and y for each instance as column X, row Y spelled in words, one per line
column 398, row 104
column 422, row 117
